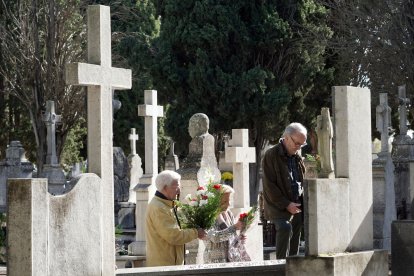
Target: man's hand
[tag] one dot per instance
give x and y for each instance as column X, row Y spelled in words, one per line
column 293, row 208
column 201, row 233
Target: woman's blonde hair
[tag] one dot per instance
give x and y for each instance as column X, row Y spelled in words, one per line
column 226, row 189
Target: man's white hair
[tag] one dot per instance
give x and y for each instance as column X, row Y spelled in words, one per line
column 166, row 178
column 295, row 128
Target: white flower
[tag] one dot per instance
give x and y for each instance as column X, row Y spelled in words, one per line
column 201, row 192
column 203, row 202
column 194, row 203
column 188, row 197
column 210, row 194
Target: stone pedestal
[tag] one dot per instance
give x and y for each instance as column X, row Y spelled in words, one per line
column 144, row 193
column 384, row 211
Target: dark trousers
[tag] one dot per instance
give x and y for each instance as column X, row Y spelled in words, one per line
column 288, row 236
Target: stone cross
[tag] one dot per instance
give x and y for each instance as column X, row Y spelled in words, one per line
column 240, row 154
column 101, row 78
column 383, row 120
column 51, row 119
column 402, row 109
column 133, row 138
column 151, row 111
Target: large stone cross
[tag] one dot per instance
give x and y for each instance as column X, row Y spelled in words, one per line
column 240, row 154
column 101, row 78
column 402, row 110
column 150, row 110
column 51, row 119
column 383, row 120
column 133, row 138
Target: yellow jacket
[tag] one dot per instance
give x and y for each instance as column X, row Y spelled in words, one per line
column 165, row 239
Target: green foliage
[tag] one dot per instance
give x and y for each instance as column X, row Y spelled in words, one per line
column 118, row 230
column 202, row 209
column 246, row 64
column 72, row 150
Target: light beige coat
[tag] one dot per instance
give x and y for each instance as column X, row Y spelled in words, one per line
column 165, row 239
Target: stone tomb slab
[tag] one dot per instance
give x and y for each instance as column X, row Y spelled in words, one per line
column 262, row 268
column 366, row 263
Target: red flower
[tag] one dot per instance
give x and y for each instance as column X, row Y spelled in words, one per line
column 217, row 186
column 242, row 216
column 200, row 188
column 204, row 197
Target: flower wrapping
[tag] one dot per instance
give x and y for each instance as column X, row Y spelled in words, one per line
column 201, row 210
column 248, row 218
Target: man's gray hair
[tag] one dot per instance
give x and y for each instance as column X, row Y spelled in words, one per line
column 295, row 128
column 166, row 178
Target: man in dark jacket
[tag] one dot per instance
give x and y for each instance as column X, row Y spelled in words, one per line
column 283, row 171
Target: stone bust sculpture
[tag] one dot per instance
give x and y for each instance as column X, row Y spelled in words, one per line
column 198, row 125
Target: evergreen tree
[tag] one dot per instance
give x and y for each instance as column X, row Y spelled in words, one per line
column 246, row 64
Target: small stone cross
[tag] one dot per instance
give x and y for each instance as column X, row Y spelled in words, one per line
column 51, row 119
column 402, row 109
column 240, row 154
column 383, row 120
column 150, row 110
column 133, row 138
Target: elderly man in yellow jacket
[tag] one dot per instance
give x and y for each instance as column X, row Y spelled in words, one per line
column 165, row 238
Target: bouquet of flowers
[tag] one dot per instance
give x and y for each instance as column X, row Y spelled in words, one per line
column 248, row 218
column 202, row 209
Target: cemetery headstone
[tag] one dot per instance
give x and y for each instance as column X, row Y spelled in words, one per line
column 171, row 160
column 338, row 212
column 73, row 234
column 135, row 166
column 384, row 211
column 403, row 159
column 52, row 170
column 223, row 165
column 197, row 169
column 145, row 189
column 240, row 155
column 15, row 165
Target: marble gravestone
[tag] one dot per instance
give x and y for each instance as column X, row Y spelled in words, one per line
column 73, row 234
column 197, row 169
column 135, row 166
column 239, row 154
column 15, row 165
column 145, row 189
column 52, row 170
column 338, row 212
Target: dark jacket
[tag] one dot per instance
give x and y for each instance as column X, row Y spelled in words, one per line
column 277, row 191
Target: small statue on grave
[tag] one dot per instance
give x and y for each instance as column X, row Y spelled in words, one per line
column 324, row 131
